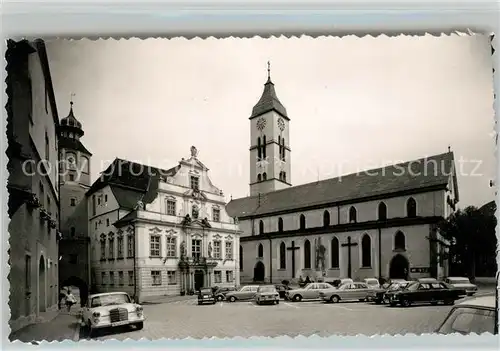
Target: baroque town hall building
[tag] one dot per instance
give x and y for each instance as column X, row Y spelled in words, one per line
column 379, row 223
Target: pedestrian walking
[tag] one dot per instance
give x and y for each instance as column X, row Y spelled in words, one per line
column 70, row 300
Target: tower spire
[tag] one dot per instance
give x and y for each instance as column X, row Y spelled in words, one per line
column 268, row 71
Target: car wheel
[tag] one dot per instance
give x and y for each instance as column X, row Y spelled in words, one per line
column 139, row 325
column 220, row 298
column 232, row 299
column 405, row 303
column 378, row 302
column 334, row 299
column 199, row 303
column 297, row 298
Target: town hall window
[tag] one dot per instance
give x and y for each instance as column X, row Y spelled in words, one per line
column 307, row 254
column 154, row 246
column 130, row 246
column 411, row 207
column 382, row 211
column 366, row 251
column 171, row 247
column 280, row 224
column 264, row 176
column 171, row 207
column 229, row 250
column 103, row 248
column 196, row 248
column 353, row 215
column 119, row 249
column 282, row 256
column 302, row 221
column 217, row 245
column 335, row 253
column 399, row 241
column 260, row 251
column 261, row 227
column 195, row 182
column 111, row 246
column 259, row 178
column 326, row 218
column 216, row 214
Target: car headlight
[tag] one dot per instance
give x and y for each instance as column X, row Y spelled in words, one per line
column 139, row 310
column 96, row 316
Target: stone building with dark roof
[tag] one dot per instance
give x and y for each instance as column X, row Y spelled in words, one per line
column 33, row 206
column 160, row 231
column 376, row 223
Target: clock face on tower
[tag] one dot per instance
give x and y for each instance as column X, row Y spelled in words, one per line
column 281, row 124
column 261, row 123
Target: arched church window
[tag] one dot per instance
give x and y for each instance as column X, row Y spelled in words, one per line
column 382, row 211
column 335, row 253
column 261, row 227
column 241, row 257
column 411, row 207
column 259, row 177
column 353, row 214
column 366, row 251
column 326, row 218
column 259, row 149
column 282, row 256
column 279, row 144
column 280, row 224
column 264, row 146
column 283, row 149
column 264, row 176
column 302, row 221
column 260, row 251
column 307, row 254
column 399, row 241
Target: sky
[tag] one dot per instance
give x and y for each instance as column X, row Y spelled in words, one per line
column 354, row 103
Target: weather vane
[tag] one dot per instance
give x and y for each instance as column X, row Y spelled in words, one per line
column 71, row 98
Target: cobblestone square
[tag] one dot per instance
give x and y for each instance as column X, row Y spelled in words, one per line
column 182, row 319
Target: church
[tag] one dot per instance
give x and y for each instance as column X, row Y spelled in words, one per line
column 379, row 223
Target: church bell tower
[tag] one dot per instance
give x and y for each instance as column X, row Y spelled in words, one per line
column 269, row 143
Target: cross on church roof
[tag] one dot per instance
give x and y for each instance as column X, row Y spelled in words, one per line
column 268, row 71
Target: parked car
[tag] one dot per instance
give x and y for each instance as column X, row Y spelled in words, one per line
column 112, row 309
column 267, row 294
column 426, row 280
column 378, row 295
column 462, row 283
column 473, row 316
column 310, row 291
column 220, row 293
column 350, row 291
column 206, row 295
column 341, row 281
column 372, row 282
column 417, row 293
column 245, row 293
column 282, row 289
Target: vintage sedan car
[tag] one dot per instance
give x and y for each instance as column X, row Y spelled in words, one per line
column 220, row 293
column 309, row 292
column 206, row 295
column 245, row 293
column 372, row 283
column 267, row 294
column 282, row 289
column 113, row 309
column 473, row 316
column 462, row 283
column 418, row 293
column 347, row 292
column 378, row 295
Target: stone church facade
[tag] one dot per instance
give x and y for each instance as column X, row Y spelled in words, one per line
column 160, row 232
column 378, row 223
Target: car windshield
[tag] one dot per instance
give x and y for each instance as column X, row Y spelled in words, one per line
column 412, row 287
column 459, row 281
column 465, row 320
column 397, row 286
column 108, row 300
column 267, row 289
column 371, row 282
column 205, row 291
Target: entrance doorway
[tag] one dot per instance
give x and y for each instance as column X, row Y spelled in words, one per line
column 41, row 285
column 199, row 279
column 259, row 272
column 399, row 267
